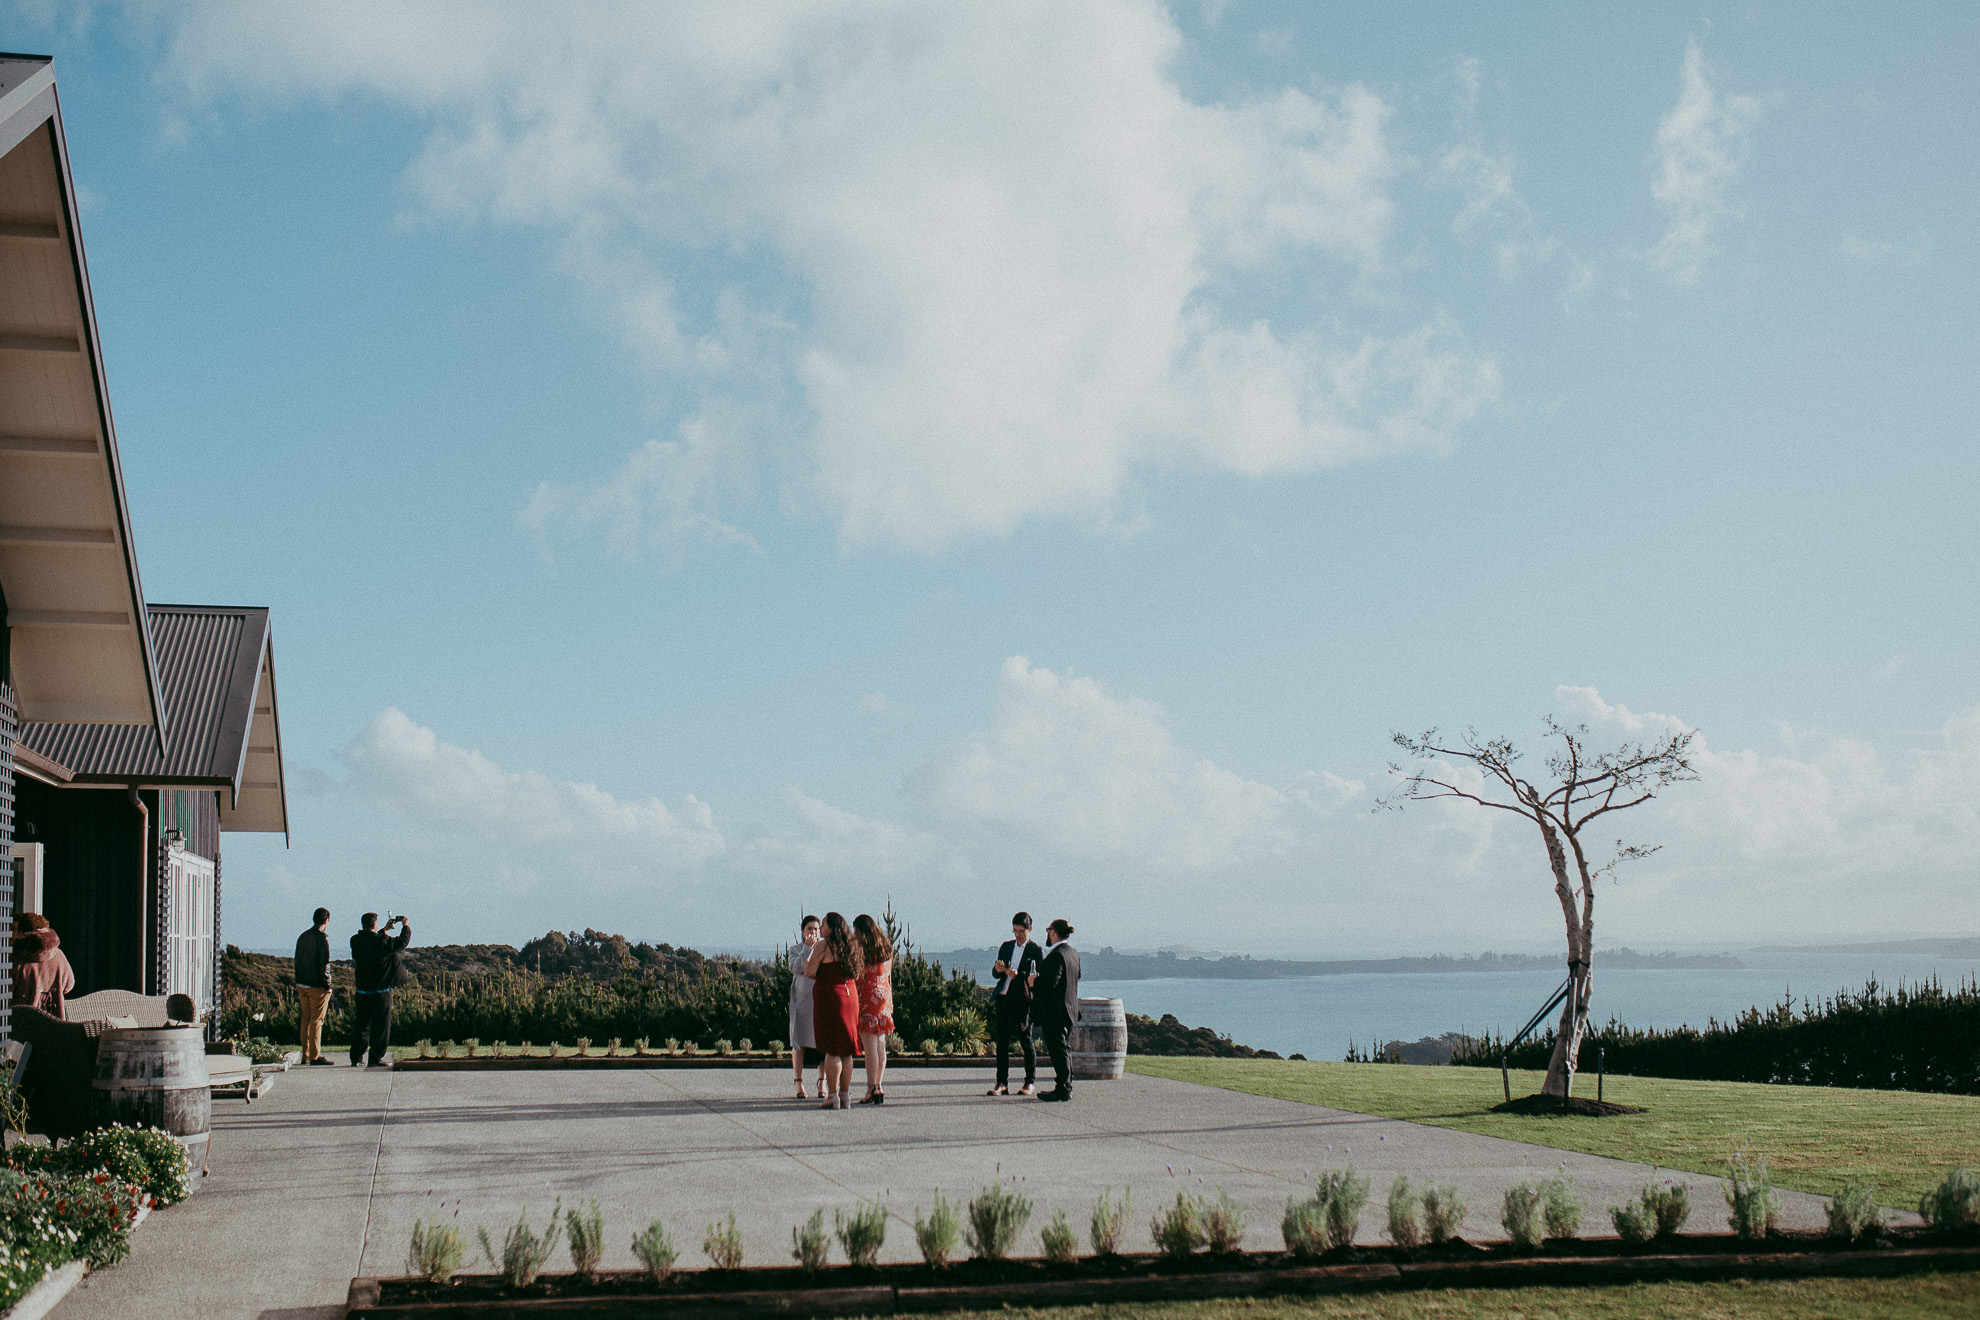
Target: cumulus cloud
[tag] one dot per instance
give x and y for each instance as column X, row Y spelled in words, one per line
column 969, row 264
column 409, row 771
column 1701, row 145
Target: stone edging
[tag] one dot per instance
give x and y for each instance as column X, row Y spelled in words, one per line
column 520, row 1063
column 888, row 1299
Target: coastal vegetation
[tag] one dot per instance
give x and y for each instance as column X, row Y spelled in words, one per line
column 1816, row 1137
column 1911, row 1038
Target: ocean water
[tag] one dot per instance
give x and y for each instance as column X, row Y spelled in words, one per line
column 1317, row 1016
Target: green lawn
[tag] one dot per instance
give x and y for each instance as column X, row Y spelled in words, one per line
column 1926, row 1297
column 1813, row 1136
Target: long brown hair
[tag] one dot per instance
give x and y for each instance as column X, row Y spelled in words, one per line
column 840, row 947
column 873, row 940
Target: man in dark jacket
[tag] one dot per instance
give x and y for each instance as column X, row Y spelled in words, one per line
column 313, row 985
column 376, row 968
column 1011, row 1005
column 1055, row 1002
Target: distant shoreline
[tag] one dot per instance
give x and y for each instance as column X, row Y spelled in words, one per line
column 1107, row 965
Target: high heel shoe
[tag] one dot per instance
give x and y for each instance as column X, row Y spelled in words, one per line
column 801, row 1093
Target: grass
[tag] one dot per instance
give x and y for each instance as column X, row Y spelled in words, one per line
column 1922, row 1297
column 1813, row 1136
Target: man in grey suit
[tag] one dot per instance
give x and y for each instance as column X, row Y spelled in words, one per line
column 1055, row 1001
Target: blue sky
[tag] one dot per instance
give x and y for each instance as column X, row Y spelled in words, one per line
column 711, row 462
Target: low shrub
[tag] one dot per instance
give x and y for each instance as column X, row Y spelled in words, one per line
column 1178, row 1230
column 1304, row 1226
column 1561, row 1208
column 1344, row 1193
column 435, row 1252
column 524, row 1252
column 499, row 1049
column 1635, row 1224
column 940, row 1235
column 809, row 1245
column 446, row 1049
column 654, row 1248
column 1669, row 1205
column 1223, row 1225
column 613, row 1048
column 1519, row 1215
column 1405, row 1214
column 688, row 1047
column 425, row 1048
column 744, row 1044
column 997, row 1214
column 1060, row 1243
column 54, row 1217
column 641, row 1046
column 1443, row 1211
column 725, row 1048
column 723, row 1243
column 1853, row 1211
column 1109, row 1223
column 583, row 1046
column 931, row 1046
column 1755, row 1210
column 862, row 1233
column 1954, row 1205
column 473, row 1044
column 672, row 1046
column 777, row 1048
column 585, row 1230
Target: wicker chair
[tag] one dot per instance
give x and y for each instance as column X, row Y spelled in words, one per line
column 63, row 1061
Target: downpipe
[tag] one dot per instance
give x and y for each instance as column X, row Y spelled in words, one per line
column 144, row 884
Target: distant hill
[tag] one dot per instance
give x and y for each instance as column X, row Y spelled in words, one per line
column 1109, row 965
column 1938, row 946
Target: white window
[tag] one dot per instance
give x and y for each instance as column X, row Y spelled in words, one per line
column 189, row 943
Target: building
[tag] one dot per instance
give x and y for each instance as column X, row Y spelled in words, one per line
column 167, row 714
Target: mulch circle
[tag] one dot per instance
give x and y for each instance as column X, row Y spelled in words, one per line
column 1552, row 1104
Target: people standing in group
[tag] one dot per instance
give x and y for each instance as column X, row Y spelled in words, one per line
column 1010, row 1008
column 42, row 975
column 876, row 1003
column 804, row 1035
column 835, row 964
column 313, row 985
column 377, row 970
column 1055, row 1001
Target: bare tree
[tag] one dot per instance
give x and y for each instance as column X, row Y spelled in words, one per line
column 1582, row 786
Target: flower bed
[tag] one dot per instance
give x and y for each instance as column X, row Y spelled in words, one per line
column 904, row 1288
column 78, row 1202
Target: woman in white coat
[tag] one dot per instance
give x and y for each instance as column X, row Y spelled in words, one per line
column 804, row 1037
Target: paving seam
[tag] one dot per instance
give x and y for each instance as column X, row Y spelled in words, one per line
column 377, row 1160
column 658, row 1075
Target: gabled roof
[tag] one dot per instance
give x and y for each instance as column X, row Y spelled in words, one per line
column 223, row 730
column 79, row 646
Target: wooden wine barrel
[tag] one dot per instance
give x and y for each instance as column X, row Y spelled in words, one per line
column 1097, row 1045
column 156, row 1077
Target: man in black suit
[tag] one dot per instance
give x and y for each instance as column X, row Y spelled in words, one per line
column 377, row 970
column 1055, row 1001
column 1016, row 961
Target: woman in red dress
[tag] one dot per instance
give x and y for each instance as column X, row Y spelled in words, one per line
column 876, row 1002
column 835, row 965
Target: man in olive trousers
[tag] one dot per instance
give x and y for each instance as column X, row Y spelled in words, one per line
column 313, row 985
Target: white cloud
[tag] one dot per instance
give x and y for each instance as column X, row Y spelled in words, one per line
column 1701, row 145
column 1910, row 253
column 965, row 263
column 1066, row 766
column 406, row 769
column 830, row 845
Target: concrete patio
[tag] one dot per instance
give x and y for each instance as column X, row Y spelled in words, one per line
column 323, row 1178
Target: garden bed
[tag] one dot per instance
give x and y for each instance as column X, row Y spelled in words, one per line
column 911, row 1288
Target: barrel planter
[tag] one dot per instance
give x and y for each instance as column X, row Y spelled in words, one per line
column 156, row 1077
column 1097, row 1045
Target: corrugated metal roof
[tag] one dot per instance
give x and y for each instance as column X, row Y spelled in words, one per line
column 209, row 661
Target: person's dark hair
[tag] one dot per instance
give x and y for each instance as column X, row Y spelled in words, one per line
column 369, row 921
column 1062, row 928
column 28, row 921
column 809, row 920
column 322, row 915
column 841, row 947
column 873, row 940
column 1022, row 919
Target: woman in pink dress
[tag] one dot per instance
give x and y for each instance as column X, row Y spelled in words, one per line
column 876, row 1002
column 834, row 966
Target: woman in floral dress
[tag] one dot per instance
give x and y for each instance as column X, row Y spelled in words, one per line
column 876, row 1002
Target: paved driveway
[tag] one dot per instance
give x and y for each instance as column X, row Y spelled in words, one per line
column 323, row 1178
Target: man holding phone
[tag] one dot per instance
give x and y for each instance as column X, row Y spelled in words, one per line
column 378, row 971
column 1016, row 961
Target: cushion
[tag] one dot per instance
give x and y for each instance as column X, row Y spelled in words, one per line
column 124, row 1023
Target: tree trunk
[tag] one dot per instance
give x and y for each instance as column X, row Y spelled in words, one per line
column 1579, row 917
